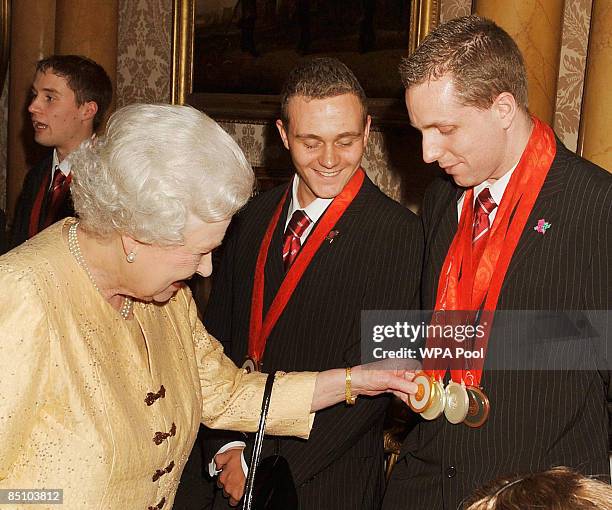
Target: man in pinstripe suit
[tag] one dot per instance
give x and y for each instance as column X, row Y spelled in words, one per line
column 371, row 259
column 466, row 91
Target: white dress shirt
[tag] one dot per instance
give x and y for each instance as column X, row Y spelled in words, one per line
column 497, row 190
column 314, row 210
column 64, row 167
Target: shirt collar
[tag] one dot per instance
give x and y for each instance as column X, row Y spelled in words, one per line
column 314, row 210
column 497, row 189
column 64, row 166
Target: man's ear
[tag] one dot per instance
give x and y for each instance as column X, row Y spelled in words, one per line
column 89, row 110
column 366, row 131
column 283, row 133
column 505, row 108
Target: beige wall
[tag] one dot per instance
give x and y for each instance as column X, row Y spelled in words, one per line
column 382, row 162
column 144, row 64
column 450, row 9
column 144, row 51
column 142, row 75
column 594, row 136
column 574, row 42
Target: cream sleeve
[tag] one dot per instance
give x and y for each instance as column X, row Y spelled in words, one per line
column 24, row 364
column 231, row 398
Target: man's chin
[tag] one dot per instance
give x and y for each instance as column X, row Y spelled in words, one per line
column 464, row 181
column 41, row 139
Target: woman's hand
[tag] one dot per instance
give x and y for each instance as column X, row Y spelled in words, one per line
column 371, row 379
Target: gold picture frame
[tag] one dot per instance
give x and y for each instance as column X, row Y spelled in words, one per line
column 5, row 29
column 262, row 108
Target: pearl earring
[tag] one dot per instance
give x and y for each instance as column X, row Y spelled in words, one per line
column 131, row 257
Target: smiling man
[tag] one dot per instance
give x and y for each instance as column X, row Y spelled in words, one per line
column 366, row 253
column 70, row 95
column 518, row 223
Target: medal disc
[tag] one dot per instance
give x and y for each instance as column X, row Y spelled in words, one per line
column 457, row 402
column 421, row 400
column 250, row 365
column 478, row 408
column 437, row 402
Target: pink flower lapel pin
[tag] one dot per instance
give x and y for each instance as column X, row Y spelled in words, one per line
column 542, row 226
column 331, row 236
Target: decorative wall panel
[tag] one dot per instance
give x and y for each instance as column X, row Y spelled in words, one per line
column 450, row 9
column 574, row 42
column 144, row 51
column 143, row 74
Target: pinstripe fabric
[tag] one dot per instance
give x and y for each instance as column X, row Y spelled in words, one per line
column 373, row 263
column 538, row 419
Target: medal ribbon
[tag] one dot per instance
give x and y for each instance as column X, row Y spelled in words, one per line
column 462, row 288
column 259, row 327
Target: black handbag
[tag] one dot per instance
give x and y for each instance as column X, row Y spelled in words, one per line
column 269, row 484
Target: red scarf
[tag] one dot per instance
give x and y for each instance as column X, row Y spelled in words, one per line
column 462, row 288
column 260, row 327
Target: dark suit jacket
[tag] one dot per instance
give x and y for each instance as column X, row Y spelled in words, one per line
column 34, row 179
column 373, row 263
column 538, row 419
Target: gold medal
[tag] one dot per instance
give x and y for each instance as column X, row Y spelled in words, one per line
column 457, row 402
column 250, row 365
column 421, row 400
column 478, row 408
column 437, row 403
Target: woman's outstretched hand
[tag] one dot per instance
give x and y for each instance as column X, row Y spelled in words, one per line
column 370, row 379
column 374, row 379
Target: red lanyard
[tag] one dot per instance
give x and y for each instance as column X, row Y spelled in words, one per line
column 260, row 327
column 459, row 287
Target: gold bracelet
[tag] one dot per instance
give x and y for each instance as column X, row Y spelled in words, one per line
column 349, row 397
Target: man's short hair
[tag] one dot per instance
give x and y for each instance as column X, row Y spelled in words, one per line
column 480, row 57
column 86, row 78
column 321, row 78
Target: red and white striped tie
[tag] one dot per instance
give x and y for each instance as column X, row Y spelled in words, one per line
column 57, row 195
column 291, row 243
column 483, row 207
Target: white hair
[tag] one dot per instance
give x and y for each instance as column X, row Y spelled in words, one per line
column 156, row 165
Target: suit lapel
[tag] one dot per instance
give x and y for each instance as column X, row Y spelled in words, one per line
column 347, row 223
column 275, row 271
column 441, row 235
column 43, row 186
column 546, row 208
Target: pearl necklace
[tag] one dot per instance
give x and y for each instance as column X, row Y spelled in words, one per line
column 75, row 249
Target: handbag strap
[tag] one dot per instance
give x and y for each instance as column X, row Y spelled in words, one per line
column 259, row 437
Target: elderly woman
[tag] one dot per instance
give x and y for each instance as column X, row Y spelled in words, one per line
column 105, row 370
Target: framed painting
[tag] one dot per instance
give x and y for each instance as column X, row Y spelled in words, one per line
column 230, row 57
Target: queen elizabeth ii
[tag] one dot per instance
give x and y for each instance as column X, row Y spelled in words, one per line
column 105, row 370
